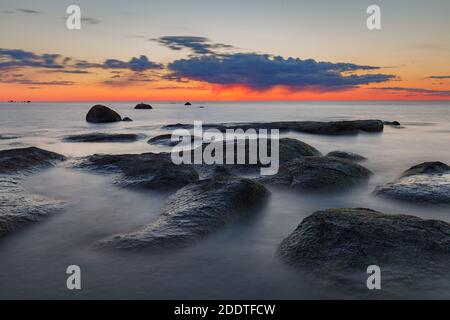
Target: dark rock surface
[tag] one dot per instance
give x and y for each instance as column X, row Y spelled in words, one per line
column 193, row 212
column 318, row 173
column 352, row 239
column 426, row 183
column 103, row 137
column 163, row 139
column 26, row 159
column 313, row 127
column 102, row 114
column 126, row 119
column 146, row 170
column 143, row 106
column 346, row 155
column 7, row 137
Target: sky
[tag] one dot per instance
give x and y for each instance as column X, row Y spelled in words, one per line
column 209, row 50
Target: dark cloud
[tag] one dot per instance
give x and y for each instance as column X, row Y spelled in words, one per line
column 135, row 64
column 426, row 92
column 27, row 10
column 262, row 72
column 199, row 45
column 39, row 83
column 438, row 77
column 13, row 58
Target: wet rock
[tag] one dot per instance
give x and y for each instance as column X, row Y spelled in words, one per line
column 426, row 183
column 146, row 170
column 142, row 106
column 312, row 127
column 26, row 159
column 336, row 240
column 102, row 114
column 346, row 155
column 163, row 139
column 7, row 137
column 103, row 137
column 193, row 212
column 318, row 173
column 126, row 119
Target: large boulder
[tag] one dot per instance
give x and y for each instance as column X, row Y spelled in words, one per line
column 103, row 137
column 143, row 106
column 147, row 170
column 193, row 212
column 346, row 155
column 26, row 159
column 102, row 114
column 318, row 173
column 426, row 183
column 337, row 240
column 312, row 127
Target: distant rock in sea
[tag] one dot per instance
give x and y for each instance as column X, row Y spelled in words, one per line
column 103, row 137
column 102, row 114
column 126, row 119
column 142, row 106
column 188, row 104
column 426, row 183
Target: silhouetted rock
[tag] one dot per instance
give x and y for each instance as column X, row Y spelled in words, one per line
column 312, row 127
column 193, row 212
column 103, row 137
column 126, row 119
column 146, row 170
column 426, row 183
column 142, row 106
column 346, row 155
column 26, row 159
column 318, row 173
column 188, row 104
column 102, row 114
column 345, row 240
column 392, row 123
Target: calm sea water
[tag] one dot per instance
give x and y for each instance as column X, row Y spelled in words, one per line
column 238, row 262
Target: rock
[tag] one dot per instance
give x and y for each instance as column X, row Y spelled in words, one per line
column 19, row 207
column 7, row 137
column 312, row 127
column 164, row 139
column 188, row 104
column 146, row 171
column 346, row 155
column 26, row 159
column 102, row 114
column 126, row 119
column 337, row 240
column 392, row 123
column 426, row 183
column 103, row 137
column 142, row 106
column 193, row 212
column 318, row 173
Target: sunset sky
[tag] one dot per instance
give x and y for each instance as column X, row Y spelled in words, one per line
column 207, row 50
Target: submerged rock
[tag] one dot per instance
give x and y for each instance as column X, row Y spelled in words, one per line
column 17, row 206
column 143, row 106
column 26, row 159
column 346, row 155
column 102, row 114
column 146, row 170
column 8, row 137
column 193, row 212
column 336, row 240
column 426, row 183
column 163, row 139
column 313, row 127
column 126, row 119
column 318, row 173
column 103, row 137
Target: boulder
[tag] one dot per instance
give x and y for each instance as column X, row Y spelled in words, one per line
column 312, row 127
column 346, row 155
column 143, row 106
column 146, row 171
column 188, row 104
column 426, row 183
column 103, row 137
column 23, row 160
column 193, row 212
column 102, row 114
column 126, row 119
column 318, row 173
column 337, row 240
